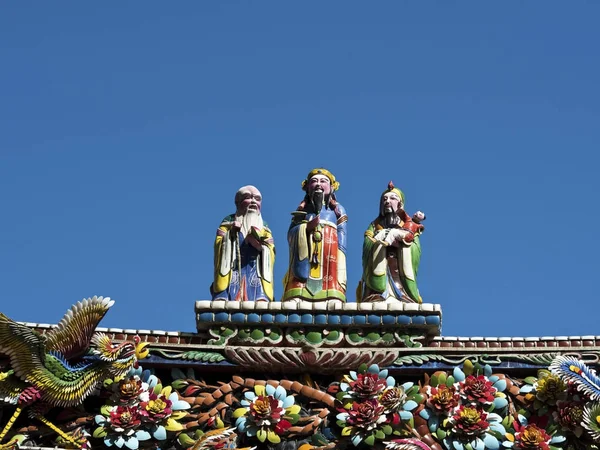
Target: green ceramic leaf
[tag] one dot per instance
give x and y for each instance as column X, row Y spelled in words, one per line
column 417, row 398
column 99, row 432
column 257, row 334
column 441, row 434
column 333, row 335
column 293, row 418
column 442, row 378
column 261, row 435
column 372, row 336
column 185, row 441
column 179, row 384
column 388, row 338
column 314, row 337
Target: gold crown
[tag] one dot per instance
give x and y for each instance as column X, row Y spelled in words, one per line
column 335, row 185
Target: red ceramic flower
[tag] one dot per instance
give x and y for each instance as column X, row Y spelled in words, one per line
column 531, row 437
column 367, row 385
column 443, row 399
column 469, row 421
column 157, row 408
column 366, row 415
column 124, row 417
column 477, row 390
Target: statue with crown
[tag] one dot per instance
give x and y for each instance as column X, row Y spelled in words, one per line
column 391, row 252
column 317, row 238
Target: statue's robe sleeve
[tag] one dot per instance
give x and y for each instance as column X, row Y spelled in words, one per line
column 342, row 224
column 299, row 251
column 411, row 257
column 224, row 255
column 374, row 261
column 267, row 262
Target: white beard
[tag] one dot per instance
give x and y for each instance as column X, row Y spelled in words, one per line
column 249, row 220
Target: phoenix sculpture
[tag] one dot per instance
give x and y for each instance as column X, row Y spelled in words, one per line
column 42, row 369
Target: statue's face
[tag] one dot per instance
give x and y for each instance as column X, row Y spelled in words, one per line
column 249, row 200
column 319, row 183
column 390, row 203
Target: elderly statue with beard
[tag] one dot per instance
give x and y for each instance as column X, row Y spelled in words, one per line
column 391, row 252
column 244, row 252
column 317, row 240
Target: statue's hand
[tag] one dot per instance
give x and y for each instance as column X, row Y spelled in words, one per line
column 399, row 237
column 253, row 241
column 237, row 225
column 256, row 238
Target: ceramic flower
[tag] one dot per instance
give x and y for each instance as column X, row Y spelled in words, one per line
column 531, row 437
column 477, row 390
column 550, row 388
column 569, row 415
column 139, row 409
column 119, row 427
column 366, row 415
column 469, row 421
column 373, row 407
column 127, row 390
column 471, row 427
column 367, row 383
column 267, row 412
column 533, row 434
column 156, row 408
column 442, row 399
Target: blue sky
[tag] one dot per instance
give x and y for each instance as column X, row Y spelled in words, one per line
column 126, row 129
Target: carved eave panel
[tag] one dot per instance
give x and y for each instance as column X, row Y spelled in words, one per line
column 303, row 337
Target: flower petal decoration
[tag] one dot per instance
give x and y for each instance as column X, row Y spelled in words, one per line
column 266, row 413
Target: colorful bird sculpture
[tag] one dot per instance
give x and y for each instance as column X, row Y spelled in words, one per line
column 40, row 370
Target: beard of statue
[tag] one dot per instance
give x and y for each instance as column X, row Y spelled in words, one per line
column 391, row 219
column 251, row 219
column 316, row 199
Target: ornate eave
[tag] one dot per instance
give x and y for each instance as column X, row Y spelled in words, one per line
column 332, row 338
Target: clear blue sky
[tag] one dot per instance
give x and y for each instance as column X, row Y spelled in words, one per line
column 126, row 129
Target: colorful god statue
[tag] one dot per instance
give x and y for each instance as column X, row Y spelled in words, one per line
column 317, row 240
column 244, row 252
column 391, row 252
